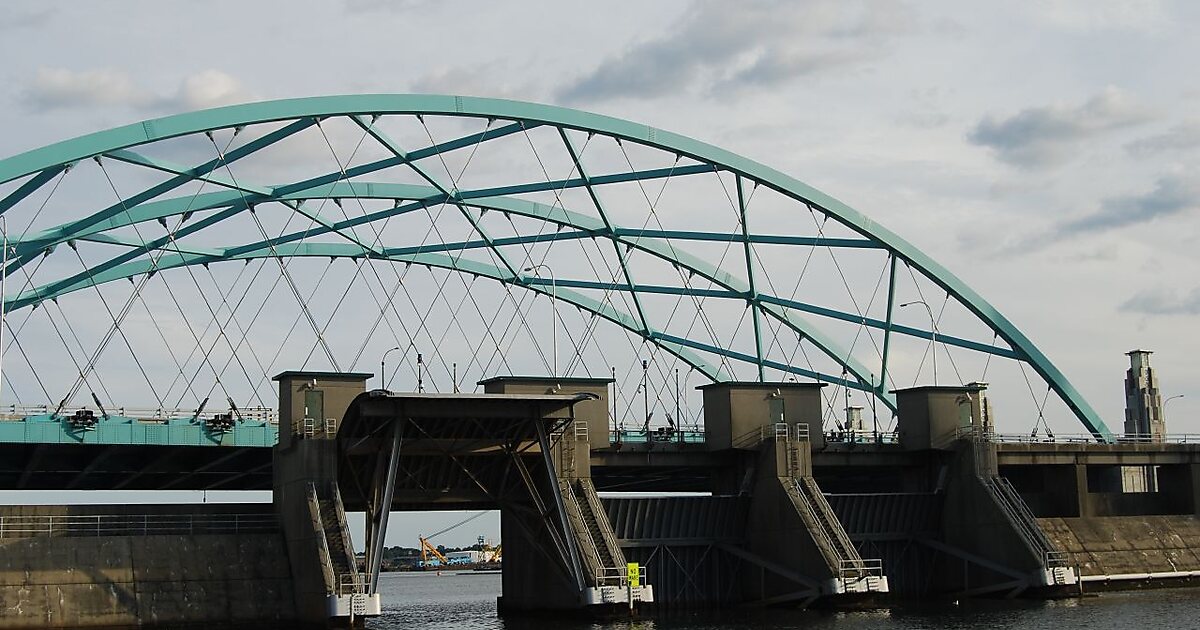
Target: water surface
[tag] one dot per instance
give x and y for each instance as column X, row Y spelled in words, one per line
column 467, row 600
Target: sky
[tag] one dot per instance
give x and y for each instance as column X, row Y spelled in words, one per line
column 1045, row 152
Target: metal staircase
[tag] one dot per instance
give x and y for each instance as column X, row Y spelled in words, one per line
column 854, row 574
column 342, row 575
column 1055, row 569
column 601, row 553
column 829, row 531
column 593, row 527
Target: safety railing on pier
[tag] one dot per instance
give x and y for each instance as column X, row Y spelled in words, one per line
column 1057, row 559
column 853, row 572
column 145, row 414
column 135, row 525
column 861, row 437
column 352, row 584
column 314, row 427
column 612, row 576
column 661, row 435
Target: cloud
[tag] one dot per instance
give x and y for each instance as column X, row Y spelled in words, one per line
column 1171, row 195
column 378, row 6
column 1044, row 136
column 60, row 88
column 13, row 18
column 475, row 80
column 721, row 46
column 1182, row 137
column 210, row 88
column 1162, row 301
column 1076, row 15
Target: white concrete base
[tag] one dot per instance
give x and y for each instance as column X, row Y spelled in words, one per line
column 596, row 595
column 356, row 605
column 1058, row 576
column 864, row 584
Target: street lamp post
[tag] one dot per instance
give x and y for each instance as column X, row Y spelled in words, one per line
column 553, row 313
column 932, row 332
column 1169, row 399
column 383, row 367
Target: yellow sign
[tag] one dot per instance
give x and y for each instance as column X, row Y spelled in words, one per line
column 633, row 572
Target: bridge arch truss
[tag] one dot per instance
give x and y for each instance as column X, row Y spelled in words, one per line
column 729, row 268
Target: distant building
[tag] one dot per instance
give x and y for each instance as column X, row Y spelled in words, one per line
column 1143, row 404
column 1143, row 419
column 854, row 420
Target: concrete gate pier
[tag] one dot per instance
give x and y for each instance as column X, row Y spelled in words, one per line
column 525, row 454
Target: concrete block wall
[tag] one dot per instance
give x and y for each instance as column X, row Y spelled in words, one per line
column 98, row 581
column 1128, row 544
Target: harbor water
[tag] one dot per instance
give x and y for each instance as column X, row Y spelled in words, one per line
column 467, row 600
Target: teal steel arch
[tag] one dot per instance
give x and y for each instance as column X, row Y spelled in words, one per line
column 43, row 165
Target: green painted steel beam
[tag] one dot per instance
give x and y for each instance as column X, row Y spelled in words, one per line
column 530, row 209
column 70, row 151
column 451, row 192
column 30, row 187
column 118, row 430
column 758, row 239
column 419, row 154
column 753, row 359
column 349, row 250
column 622, row 255
column 887, row 329
column 752, row 294
column 586, row 226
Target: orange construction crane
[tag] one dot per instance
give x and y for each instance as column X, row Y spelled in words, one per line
column 428, row 550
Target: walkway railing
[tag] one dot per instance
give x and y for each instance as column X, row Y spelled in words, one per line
column 988, row 435
column 135, row 525
column 352, row 584
column 145, row 414
column 862, row 437
column 661, row 435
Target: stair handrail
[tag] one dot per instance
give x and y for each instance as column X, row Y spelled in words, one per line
column 596, row 566
column 326, row 559
column 607, row 536
column 1025, row 523
column 344, row 526
column 836, row 532
column 809, row 513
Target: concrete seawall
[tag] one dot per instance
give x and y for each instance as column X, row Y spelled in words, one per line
column 1128, row 545
column 74, row 578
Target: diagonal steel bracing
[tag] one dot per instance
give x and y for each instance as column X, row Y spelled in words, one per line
column 41, row 166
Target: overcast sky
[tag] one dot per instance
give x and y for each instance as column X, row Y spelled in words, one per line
column 1046, row 152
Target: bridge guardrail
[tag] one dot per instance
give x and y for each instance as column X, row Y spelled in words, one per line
column 861, row 437
column 145, row 414
column 989, row 435
column 637, row 436
column 135, row 525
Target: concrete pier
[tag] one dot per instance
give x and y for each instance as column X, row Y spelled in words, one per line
column 946, row 508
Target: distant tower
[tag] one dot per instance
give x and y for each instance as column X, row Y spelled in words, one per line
column 981, row 406
column 1143, row 404
column 854, row 420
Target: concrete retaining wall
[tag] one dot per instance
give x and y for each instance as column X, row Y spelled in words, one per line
column 163, row 580
column 1114, row 545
